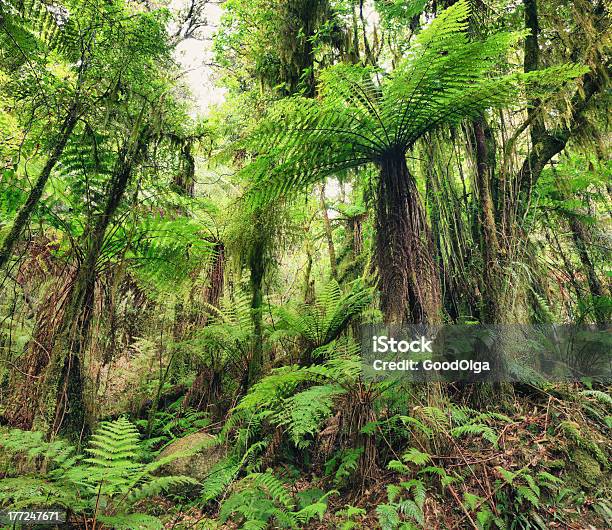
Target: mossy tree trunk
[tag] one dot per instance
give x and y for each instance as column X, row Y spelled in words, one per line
column 257, row 270
column 64, row 407
column 328, row 234
column 407, row 272
column 597, row 290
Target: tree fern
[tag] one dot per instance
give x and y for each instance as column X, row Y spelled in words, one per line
column 50, row 24
column 366, row 116
column 322, row 322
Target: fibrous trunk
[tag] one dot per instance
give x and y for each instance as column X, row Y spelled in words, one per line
column 408, row 277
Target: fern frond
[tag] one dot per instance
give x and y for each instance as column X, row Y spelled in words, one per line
column 275, row 488
column 483, row 431
column 130, row 521
column 159, row 485
column 304, row 412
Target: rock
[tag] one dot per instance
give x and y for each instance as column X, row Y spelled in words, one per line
column 201, row 451
column 588, row 472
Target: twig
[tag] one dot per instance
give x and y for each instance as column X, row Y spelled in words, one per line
column 465, row 511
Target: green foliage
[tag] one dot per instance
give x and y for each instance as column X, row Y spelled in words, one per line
column 316, row 89
column 524, row 494
column 323, row 321
column 301, row 412
column 405, row 501
column 171, row 424
column 343, row 465
column 348, row 516
column 165, row 252
column 476, row 430
column 105, row 484
column 261, row 499
column 444, row 79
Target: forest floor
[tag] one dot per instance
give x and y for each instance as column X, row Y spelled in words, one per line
column 553, row 440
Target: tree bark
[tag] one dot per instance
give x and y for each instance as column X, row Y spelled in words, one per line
column 257, row 270
column 408, row 275
column 491, row 291
column 596, row 289
column 64, row 404
column 328, row 235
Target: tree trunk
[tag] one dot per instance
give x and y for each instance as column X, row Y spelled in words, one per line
column 26, row 380
column 184, row 180
column 257, row 269
column 596, row 289
column 355, row 225
column 328, row 235
column 308, row 289
column 491, row 288
column 545, row 144
column 64, row 406
column 25, row 212
column 206, row 390
column 408, row 275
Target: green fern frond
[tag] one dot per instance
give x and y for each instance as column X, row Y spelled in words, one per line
column 388, row 518
column 159, row 485
column 483, row 431
column 524, row 492
column 416, row 457
column 602, row 397
column 219, row 478
column 275, row 488
column 131, row 521
column 304, row 412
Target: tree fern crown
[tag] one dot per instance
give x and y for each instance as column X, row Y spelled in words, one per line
column 364, row 115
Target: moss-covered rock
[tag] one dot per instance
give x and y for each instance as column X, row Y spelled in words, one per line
column 201, row 452
column 586, row 469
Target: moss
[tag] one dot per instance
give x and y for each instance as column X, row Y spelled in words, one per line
column 571, row 430
column 554, row 464
column 587, row 470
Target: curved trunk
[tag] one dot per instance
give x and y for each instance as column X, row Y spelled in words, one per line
column 26, row 211
column 63, row 406
column 408, row 275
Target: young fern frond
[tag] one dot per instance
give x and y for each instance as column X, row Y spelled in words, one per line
column 323, row 321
